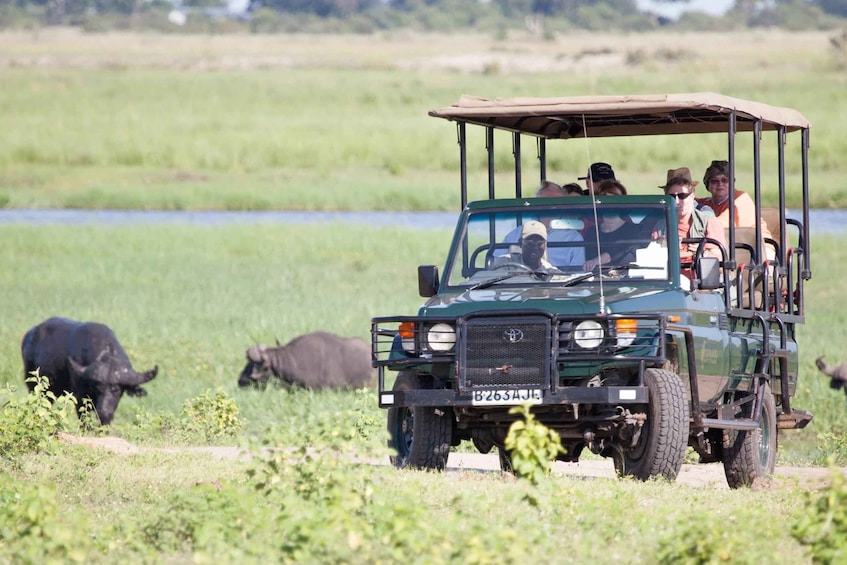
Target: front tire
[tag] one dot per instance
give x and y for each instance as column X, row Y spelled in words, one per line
column 420, row 435
column 751, row 455
column 505, row 457
column 661, row 445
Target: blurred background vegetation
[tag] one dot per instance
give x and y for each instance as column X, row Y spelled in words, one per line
column 368, row 16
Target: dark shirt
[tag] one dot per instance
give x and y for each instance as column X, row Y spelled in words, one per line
column 619, row 244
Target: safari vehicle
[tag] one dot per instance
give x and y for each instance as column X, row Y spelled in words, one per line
column 633, row 360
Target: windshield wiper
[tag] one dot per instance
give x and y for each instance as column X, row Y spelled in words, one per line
column 542, row 275
column 606, row 270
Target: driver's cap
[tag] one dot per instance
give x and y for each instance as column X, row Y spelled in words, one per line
column 534, row 227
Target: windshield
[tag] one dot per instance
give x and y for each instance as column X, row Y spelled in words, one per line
column 559, row 245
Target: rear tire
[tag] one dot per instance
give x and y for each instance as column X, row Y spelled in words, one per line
column 420, row 435
column 751, row 455
column 664, row 436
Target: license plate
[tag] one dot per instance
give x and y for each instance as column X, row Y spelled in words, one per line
column 506, row 396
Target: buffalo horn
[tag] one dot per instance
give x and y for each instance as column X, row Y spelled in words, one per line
column 254, row 354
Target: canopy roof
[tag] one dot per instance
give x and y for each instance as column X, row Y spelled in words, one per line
column 609, row 116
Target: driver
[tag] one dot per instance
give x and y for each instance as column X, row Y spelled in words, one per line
column 533, row 245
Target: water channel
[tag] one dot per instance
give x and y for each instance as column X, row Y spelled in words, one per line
column 820, row 221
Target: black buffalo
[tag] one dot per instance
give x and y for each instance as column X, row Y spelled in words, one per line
column 314, row 360
column 83, row 358
column 837, row 375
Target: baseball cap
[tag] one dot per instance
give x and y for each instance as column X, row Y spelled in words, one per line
column 534, row 227
column 599, row 171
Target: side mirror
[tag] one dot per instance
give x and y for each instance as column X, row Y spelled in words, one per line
column 427, row 280
column 709, row 273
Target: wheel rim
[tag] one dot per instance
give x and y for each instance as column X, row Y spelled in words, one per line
column 765, row 452
column 405, row 431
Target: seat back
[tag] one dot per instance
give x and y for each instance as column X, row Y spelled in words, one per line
column 746, row 278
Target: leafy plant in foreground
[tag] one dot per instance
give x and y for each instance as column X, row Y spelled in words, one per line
column 823, row 527
column 33, row 529
column 29, row 423
column 532, row 445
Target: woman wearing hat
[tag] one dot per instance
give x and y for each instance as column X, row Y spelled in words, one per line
column 692, row 223
column 716, row 180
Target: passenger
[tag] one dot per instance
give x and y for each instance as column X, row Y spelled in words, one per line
column 597, row 172
column 558, row 256
column 572, row 189
column 610, row 187
column 692, row 222
column 617, row 235
column 533, row 245
column 716, row 180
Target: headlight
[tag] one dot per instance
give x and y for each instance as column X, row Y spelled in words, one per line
column 589, row 334
column 441, row 337
column 626, row 330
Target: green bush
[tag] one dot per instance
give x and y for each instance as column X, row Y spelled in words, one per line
column 29, row 423
column 34, row 529
column 823, row 526
column 532, row 445
column 211, row 416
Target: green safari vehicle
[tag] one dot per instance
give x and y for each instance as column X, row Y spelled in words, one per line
column 635, row 359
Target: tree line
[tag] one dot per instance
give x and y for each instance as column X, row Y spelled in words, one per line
column 365, row 16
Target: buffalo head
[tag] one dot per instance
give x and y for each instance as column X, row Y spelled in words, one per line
column 104, row 381
column 258, row 370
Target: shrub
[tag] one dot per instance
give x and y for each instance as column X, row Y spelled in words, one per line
column 823, row 526
column 33, row 529
column 532, row 445
column 29, row 423
column 212, row 416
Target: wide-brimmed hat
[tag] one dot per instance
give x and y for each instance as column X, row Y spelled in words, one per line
column 598, row 172
column 534, row 227
column 677, row 175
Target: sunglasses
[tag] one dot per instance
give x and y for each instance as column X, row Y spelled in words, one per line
column 680, row 195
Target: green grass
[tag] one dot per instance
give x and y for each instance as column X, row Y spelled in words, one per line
column 129, row 128
column 193, row 298
column 140, row 122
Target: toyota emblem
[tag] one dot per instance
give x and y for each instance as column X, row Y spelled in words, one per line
column 514, row 335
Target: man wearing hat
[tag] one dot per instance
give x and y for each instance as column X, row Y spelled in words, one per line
column 597, row 172
column 533, row 245
column 692, row 223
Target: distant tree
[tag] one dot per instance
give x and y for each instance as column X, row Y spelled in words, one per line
column 834, row 7
column 321, row 8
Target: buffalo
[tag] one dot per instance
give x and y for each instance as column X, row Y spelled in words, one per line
column 315, row 360
column 837, row 375
column 83, row 358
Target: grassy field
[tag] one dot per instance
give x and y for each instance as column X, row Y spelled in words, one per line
column 304, row 122
column 274, row 122
column 192, row 299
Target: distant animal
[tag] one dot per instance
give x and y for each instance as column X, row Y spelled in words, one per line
column 837, row 375
column 83, row 358
column 315, row 360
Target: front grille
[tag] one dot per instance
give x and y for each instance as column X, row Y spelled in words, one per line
column 505, row 352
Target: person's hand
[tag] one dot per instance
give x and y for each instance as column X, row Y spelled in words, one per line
column 592, row 263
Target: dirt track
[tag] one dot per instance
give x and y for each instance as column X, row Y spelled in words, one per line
column 703, row 476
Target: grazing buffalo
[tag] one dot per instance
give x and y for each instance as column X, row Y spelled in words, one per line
column 314, row 360
column 837, row 375
column 83, row 358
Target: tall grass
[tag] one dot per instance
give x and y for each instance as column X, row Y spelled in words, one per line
column 121, row 127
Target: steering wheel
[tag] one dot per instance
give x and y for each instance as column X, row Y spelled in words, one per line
column 520, row 266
